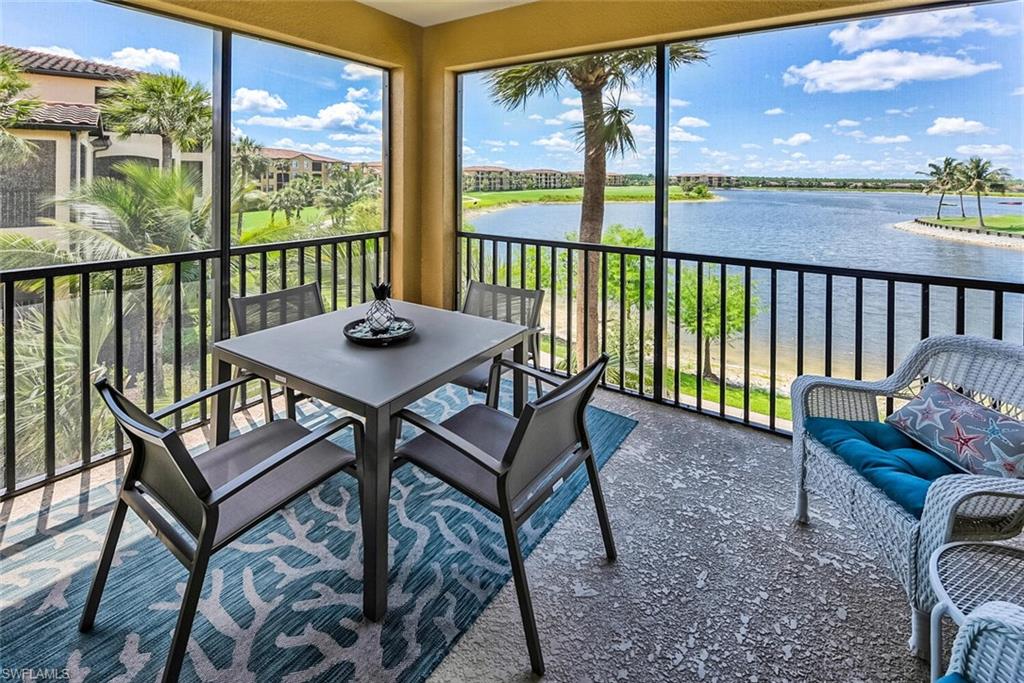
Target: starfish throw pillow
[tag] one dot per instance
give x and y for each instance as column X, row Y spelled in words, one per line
column 968, row 435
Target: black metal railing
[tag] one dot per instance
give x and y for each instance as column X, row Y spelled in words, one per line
column 147, row 323
column 781, row 319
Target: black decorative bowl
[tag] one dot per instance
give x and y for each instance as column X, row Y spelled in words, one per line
column 359, row 332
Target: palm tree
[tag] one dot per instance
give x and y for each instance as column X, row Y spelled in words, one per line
column 249, row 163
column 942, row 178
column 343, row 190
column 978, row 176
column 278, row 201
column 604, row 130
column 167, row 105
column 15, row 109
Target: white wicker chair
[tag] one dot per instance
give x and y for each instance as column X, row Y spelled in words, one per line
column 959, row 507
column 989, row 647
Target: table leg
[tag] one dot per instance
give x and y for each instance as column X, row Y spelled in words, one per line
column 936, row 640
column 519, row 391
column 374, row 494
column 220, row 422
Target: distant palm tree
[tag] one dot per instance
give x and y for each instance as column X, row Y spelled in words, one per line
column 343, row 190
column 278, row 201
column 603, row 132
column 248, row 163
column 15, row 109
column 942, row 178
column 978, row 176
column 167, row 105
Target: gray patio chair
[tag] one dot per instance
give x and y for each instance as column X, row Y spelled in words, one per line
column 263, row 311
column 989, row 647
column 511, row 466
column 511, row 304
column 196, row 506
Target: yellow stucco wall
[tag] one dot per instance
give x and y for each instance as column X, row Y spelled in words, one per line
column 425, row 61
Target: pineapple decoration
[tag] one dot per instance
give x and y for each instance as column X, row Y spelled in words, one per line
column 381, row 314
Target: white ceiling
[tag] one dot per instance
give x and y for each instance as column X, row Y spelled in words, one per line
column 430, row 12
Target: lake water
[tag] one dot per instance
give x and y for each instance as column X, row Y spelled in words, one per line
column 844, row 229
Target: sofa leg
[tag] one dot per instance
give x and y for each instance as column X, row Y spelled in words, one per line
column 920, row 634
column 800, row 514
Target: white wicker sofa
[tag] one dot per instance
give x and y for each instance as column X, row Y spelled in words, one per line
column 958, row 507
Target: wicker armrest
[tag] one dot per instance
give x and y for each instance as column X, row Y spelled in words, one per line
column 969, row 507
column 990, row 644
column 845, row 399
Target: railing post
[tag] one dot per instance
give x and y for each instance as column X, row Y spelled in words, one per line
column 221, row 214
column 660, row 215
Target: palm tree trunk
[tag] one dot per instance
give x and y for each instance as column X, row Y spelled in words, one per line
column 963, row 214
column 591, row 220
column 938, row 212
column 981, row 218
column 240, row 213
column 165, row 148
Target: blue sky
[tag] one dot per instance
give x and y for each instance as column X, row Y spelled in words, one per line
column 875, row 98
column 282, row 96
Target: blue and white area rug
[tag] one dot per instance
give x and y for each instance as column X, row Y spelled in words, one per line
column 284, row 601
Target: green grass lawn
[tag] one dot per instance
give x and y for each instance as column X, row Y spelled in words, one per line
column 257, row 219
column 1008, row 223
column 633, row 193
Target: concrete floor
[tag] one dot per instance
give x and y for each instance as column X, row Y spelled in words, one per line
column 713, row 582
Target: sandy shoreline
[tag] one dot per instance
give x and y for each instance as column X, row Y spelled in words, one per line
column 958, row 236
column 471, row 211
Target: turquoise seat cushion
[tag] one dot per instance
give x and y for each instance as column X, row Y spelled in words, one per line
column 884, row 456
column 952, row 678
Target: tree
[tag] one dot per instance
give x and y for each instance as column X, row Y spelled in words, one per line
column 248, row 163
column 604, row 130
column 942, row 178
column 710, row 308
column 167, row 105
column 978, row 176
column 15, row 109
column 344, row 188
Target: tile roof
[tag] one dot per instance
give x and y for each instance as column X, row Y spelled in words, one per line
column 64, row 114
column 281, row 153
column 46, row 63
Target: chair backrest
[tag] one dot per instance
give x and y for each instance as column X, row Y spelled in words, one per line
column 263, row 311
column 987, row 370
column 551, row 426
column 160, row 462
column 511, row 304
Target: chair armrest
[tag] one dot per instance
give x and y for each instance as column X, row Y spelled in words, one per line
column 225, row 491
column 545, row 377
column 845, row 399
column 989, row 498
column 204, row 394
column 990, row 644
column 485, row 460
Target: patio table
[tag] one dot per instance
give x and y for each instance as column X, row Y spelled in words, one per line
column 313, row 357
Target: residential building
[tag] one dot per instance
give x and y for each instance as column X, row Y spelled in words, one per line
column 71, row 145
column 708, row 179
column 490, row 179
column 287, row 164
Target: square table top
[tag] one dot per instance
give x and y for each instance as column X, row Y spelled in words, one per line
column 314, row 351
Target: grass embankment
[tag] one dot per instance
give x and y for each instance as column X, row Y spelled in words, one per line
column 257, row 219
column 1008, row 223
column 632, row 193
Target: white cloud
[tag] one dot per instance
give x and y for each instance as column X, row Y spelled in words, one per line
column 847, row 123
column 677, row 103
column 750, row 145
column 957, row 125
column 642, row 132
column 356, row 137
column 356, row 72
column 1018, row 91
column 555, row 142
column 842, row 157
column 692, row 122
column 716, row 154
column 637, row 98
column 248, row 99
column 353, row 94
column 494, row 143
column 236, row 132
column 572, row 101
column 352, row 153
column 535, row 117
column 468, row 151
column 889, row 139
column 774, row 111
column 338, row 115
column 677, row 134
column 901, row 112
column 793, row 140
column 986, row 150
column 862, row 35
column 571, row 116
column 57, row 50
column 880, row 70
column 144, row 58
column 798, row 155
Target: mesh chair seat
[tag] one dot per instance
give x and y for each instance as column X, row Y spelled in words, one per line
column 221, row 464
column 263, row 311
